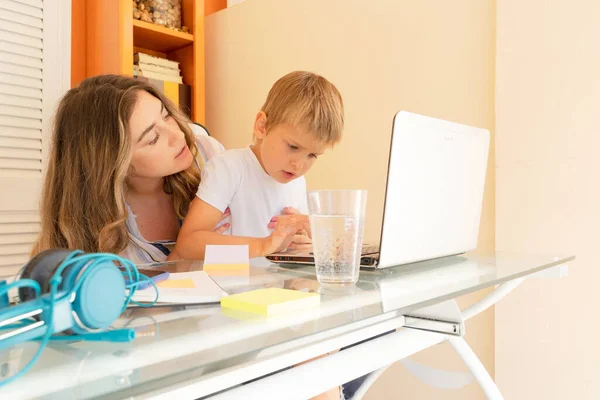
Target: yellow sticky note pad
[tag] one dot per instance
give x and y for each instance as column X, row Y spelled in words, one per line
column 225, row 267
column 177, row 284
column 217, row 271
column 271, row 301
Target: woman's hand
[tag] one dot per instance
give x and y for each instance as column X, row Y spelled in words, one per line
column 301, row 240
column 225, row 226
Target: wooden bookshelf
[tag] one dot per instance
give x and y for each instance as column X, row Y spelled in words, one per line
column 112, row 36
column 158, row 38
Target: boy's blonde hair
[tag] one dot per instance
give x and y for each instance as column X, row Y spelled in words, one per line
column 308, row 101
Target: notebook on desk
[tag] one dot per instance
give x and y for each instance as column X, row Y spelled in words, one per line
column 194, row 287
column 434, row 193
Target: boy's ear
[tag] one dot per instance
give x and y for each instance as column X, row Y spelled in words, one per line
column 260, row 125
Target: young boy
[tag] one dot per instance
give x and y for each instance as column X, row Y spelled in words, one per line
column 302, row 117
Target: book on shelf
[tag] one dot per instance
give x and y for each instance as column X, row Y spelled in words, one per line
column 158, row 68
column 148, row 59
column 155, row 75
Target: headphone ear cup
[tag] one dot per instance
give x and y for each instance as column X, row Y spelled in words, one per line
column 41, row 268
column 101, row 296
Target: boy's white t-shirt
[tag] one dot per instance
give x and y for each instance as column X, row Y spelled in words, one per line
column 235, row 179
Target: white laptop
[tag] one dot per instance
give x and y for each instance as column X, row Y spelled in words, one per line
column 434, row 193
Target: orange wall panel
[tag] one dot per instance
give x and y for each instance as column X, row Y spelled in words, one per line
column 212, row 6
column 78, row 45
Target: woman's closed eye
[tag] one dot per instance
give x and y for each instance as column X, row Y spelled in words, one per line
column 155, row 140
column 292, row 147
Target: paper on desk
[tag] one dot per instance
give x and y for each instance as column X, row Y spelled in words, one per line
column 226, row 258
column 183, row 287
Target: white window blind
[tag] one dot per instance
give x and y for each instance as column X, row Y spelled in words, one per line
column 33, row 60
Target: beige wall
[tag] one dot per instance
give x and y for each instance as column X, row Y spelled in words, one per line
column 431, row 57
column 547, row 143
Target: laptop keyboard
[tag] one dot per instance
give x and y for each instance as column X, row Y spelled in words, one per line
column 366, row 249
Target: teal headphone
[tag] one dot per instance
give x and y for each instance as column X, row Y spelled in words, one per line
column 64, row 291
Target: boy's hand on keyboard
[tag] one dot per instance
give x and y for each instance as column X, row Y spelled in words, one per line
column 301, row 240
column 284, row 228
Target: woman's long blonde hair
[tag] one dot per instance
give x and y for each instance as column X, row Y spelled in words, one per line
column 83, row 197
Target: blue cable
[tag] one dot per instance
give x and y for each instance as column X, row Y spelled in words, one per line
column 19, row 324
column 54, row 282
column 22, row 283
column 76, row 257
column 134, row 286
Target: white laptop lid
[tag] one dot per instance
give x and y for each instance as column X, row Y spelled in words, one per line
column 434, row 189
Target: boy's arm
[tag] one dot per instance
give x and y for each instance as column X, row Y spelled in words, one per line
column 197, row 232
column 220, row 179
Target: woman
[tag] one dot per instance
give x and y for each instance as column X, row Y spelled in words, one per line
column 123, row 167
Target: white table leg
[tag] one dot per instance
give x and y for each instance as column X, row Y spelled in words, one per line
column 491, row 299
column 462, row 348
column 476, row 367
